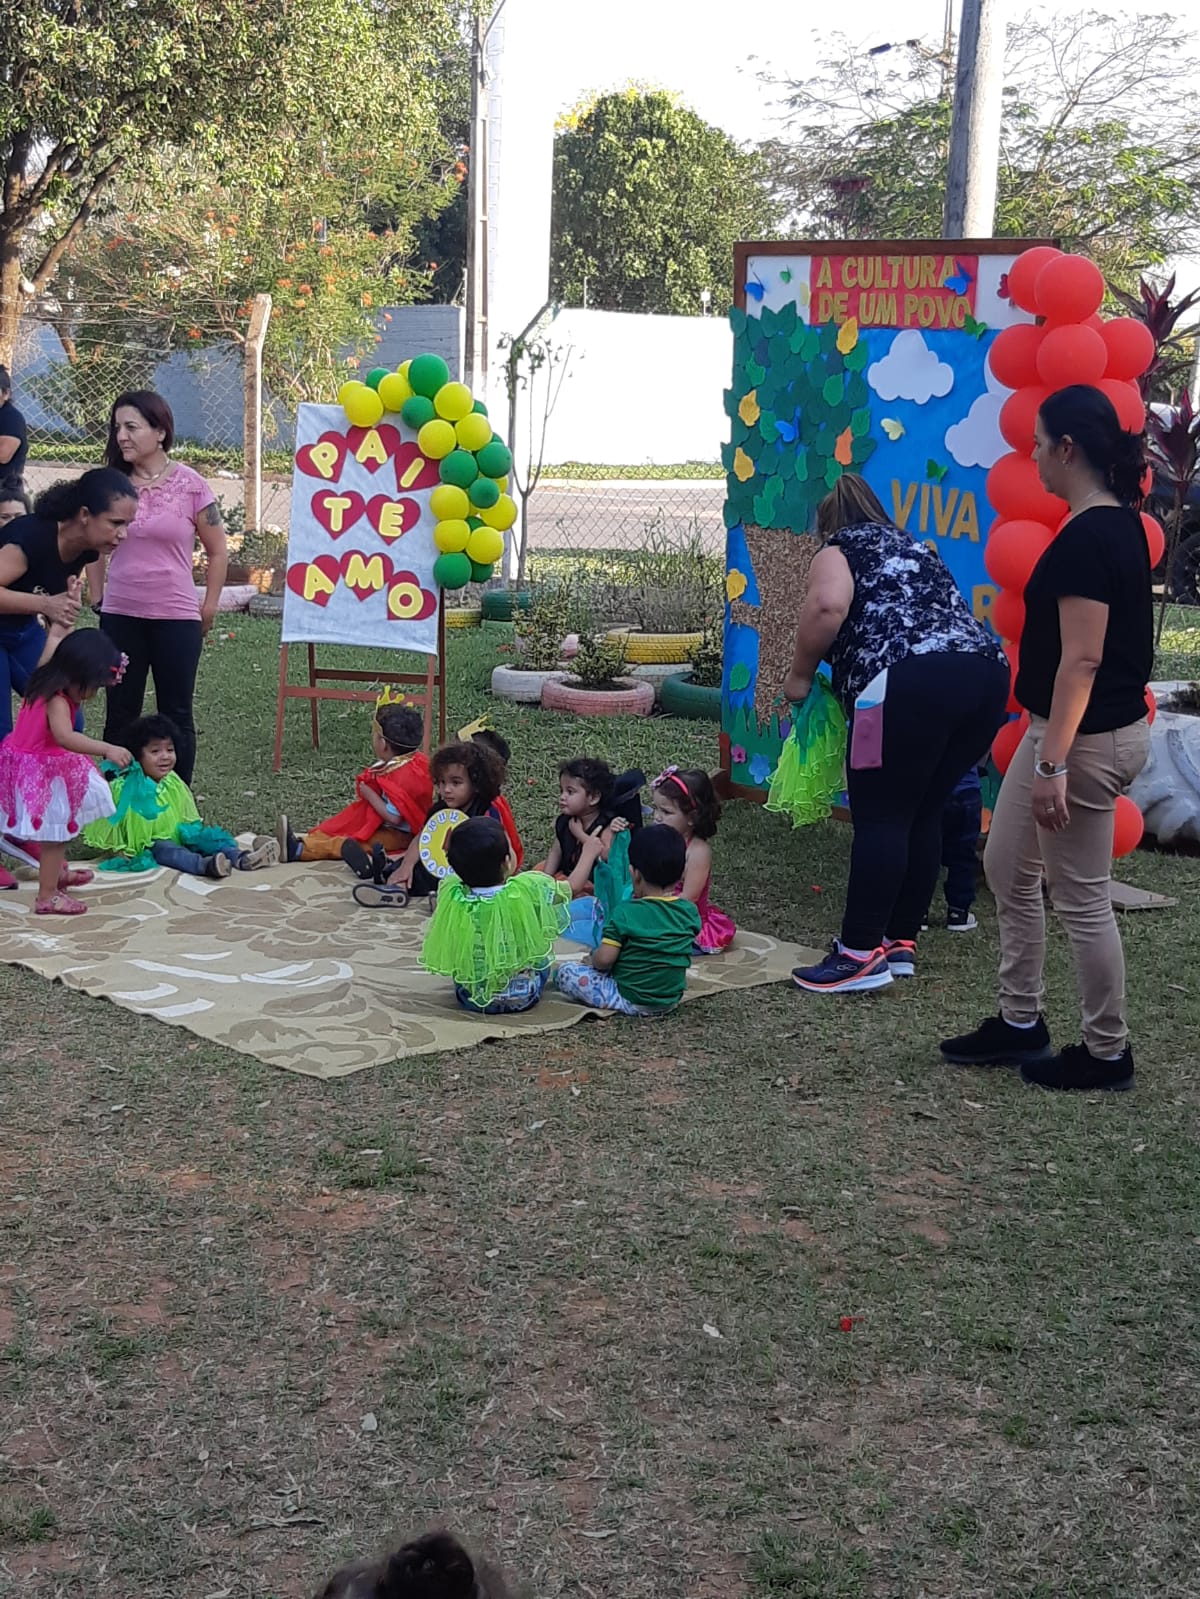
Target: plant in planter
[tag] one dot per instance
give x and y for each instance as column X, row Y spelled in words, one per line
column 597, row 684
column 539, row 632
column 672, row 593
column 696, row 694
column 264, row 554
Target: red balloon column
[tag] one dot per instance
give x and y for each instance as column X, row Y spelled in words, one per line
column 1071, row 344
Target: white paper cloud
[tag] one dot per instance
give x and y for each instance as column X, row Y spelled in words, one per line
column 910, row 371
column 976, row 439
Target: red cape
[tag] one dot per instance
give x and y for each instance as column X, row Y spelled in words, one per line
column 407, row 785
column 504, row 812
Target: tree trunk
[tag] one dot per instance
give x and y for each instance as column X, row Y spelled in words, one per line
column 12, row 301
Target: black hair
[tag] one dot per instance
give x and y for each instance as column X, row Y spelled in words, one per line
column 436, row 1566
column 15, row 489
column 1088, row 417
column 85, row 659
column 153, row 408
column 695, row 796
column 484, row 770
column 95, row 491
column 401, row 728
column 149, row 730
column 659, row 853
column 477, row 850
column 492, row 740
column 618, row 795
column 5, row 381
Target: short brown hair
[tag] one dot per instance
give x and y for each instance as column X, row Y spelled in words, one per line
column 852, row 504
column 155, row 410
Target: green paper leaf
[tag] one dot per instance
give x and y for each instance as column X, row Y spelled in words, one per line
column 858, row 357
column 729, row 514
column 833, row 471
column 737, row 319
column 755, row 374
column 786, row 319
column 833, row 389
column 766, row 426
column 857, row 392
column 860, row 424
column 739, row 677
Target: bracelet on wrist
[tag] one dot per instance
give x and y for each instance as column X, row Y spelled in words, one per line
column 1049, row 769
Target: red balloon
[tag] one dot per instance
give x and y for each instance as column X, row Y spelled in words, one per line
column 1128, row 827
column 1019, row 413
column 1013, row 355
column 1015, row 493
column 1127, row 402
column 1008, row 615
column 1155, row 538
column 1130, row 346
column 1151, row 705
column 1069, row 290
column 1012, row 655
column 1096, row 322
column 1007, row 741
column 1071, row 354
column 1013, row 550
column 1024, row 273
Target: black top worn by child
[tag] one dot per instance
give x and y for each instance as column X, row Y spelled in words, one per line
column 1101, row 554
column 624, row 801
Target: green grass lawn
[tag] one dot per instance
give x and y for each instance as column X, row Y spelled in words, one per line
column 581, row 1296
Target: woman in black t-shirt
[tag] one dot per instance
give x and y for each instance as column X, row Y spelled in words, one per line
column 1086, row 654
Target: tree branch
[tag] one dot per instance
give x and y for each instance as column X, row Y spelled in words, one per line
column 53, row 256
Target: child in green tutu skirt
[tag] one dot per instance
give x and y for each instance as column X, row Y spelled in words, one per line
column 156, row 822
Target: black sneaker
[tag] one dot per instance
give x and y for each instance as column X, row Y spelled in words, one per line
column 995, row 1043
column 218, row 866
column 1075, row 1067
column 840, row 973
column 289, row 845
column 960, row 921
column 357, row 859
column 901, row 956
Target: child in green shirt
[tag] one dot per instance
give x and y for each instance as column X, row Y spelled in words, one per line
column 641, row 966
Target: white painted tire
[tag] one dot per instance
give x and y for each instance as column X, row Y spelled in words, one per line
column 523, row 688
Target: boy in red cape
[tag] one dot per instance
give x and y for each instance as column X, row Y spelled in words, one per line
column 394, row 794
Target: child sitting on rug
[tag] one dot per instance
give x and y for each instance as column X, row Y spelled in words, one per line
column 499, row 746
column 641, row 966
column 433, row 1567
column 156, row 822
column 466, row 778
column 49, row 789
column 686, row 802
column 493, row 928
column 393, row 796
column 590, row 800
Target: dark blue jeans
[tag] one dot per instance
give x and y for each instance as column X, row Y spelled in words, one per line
column 962, row 822
column 20, row 651
column 180, row 859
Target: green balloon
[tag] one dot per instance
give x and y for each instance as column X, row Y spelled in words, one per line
column 459, row 468
column 475, row 521
column 376, row 376
column 426, row 374
column 479, row 572
column 494, row 459
column 452, row 570
column 484, row 492
column 415, row 412
column 480, row 407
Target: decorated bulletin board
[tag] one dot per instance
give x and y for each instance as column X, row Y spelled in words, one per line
column 850, row 357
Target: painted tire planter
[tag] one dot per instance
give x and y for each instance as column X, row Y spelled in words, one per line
column 463, row 616
column 655, row 675
column 525, row 688
column 498, row 604
column 632, row 699
column 679, row 696
column 650, row 649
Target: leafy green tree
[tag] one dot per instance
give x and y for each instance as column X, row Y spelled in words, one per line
column 95, row 89
column 648, row 202
column 1100, row 146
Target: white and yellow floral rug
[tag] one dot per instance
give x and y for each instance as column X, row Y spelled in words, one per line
column 283, row 965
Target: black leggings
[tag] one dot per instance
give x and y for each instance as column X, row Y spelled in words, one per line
column 940, row 715
column 170, row 651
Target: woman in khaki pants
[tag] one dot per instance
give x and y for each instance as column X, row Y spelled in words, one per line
column 1086, row 655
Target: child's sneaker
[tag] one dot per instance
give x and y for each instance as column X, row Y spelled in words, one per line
column 289, row 844
column 262, row 852
column 840, row 973
column 218, row 866
column 357, row 859
column 901, row 956
column 960, row 921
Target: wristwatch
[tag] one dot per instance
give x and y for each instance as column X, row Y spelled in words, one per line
column 1048, row 769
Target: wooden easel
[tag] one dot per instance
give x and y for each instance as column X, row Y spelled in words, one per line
column 430, row 682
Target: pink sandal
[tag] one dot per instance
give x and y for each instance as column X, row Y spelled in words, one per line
column 74, row 877
column 59, row 905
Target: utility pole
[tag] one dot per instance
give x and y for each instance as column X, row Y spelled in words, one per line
column 475, row 359
column 975, row 126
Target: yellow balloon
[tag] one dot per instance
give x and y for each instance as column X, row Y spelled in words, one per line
column 485, row 545
column 393, row 390
column 474, row 431
column 436, row 439
column 350, row 386
column 402, row 369
column 502, row 484
column 363, row 406
column 502, row 515
column 454, row 535
column 448, row 502
column 453, row 401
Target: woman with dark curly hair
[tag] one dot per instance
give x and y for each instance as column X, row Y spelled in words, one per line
column 1086, row 654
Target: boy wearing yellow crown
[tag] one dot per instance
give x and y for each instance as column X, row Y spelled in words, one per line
column 393, row 796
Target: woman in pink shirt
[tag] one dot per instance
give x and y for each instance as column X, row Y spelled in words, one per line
column 147, row 597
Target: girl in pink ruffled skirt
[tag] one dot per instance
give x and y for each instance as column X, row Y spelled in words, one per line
column 49, row 789
column 686, row 802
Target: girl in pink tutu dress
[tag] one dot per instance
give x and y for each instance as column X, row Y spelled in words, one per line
column 49, row 789
column 686, row 802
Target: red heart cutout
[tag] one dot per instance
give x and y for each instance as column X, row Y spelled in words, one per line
column 325, row 458
column 315, row 581
column 365, row 575
column 372, row 447
column 337, row 510
column 413, row 471
column 391, row 519
column 407, row 601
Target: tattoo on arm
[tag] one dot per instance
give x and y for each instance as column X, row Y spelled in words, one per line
column 212, row 515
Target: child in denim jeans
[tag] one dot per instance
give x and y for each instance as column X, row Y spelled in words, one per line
column 962, row 823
